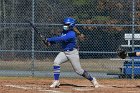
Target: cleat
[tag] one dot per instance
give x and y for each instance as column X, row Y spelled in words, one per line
column 95, row 83
column 55, row 84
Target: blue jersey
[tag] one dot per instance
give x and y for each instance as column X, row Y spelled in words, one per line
column 67, row 39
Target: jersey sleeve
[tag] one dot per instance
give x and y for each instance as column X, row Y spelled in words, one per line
column 61, row 38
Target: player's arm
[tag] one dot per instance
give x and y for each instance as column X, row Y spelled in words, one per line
column 123, row 54
column 138, row 53
column 66, row 37
column 133, row 54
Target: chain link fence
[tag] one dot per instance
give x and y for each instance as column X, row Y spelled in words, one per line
column 104, row 22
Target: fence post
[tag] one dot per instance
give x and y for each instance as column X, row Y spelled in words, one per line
column 33, row 39
column 133, row 32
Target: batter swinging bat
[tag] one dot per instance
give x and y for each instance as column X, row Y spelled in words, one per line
column 40, row 35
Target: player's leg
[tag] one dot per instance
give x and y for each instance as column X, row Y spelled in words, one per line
column 60, row 58
column 73, row 56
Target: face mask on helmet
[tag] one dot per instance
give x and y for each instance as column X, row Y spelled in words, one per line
column 66, row 27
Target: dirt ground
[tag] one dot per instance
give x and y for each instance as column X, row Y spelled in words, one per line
column 68, row 85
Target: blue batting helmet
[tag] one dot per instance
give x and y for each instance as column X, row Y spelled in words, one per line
column 70, row 21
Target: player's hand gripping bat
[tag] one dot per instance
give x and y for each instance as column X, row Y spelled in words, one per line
column 39, row 34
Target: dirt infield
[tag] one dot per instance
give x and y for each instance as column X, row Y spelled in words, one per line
column 68, row 85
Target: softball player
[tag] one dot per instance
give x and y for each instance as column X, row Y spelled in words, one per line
column 69, row 52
